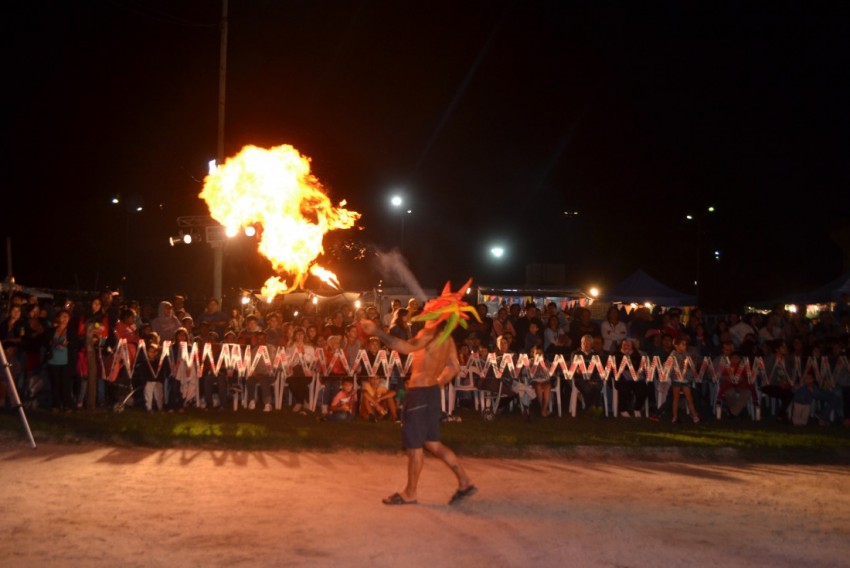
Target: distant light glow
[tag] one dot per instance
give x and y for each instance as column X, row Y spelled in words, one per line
column 497, row 251
column 138, row 208
column 187, row 238
column 245, row 300
column 396, row 201
column 115, row 200
column 711, row 208
column 689, row 217
column 250, row 231
column 594, row 292
column 357, row 304
column 231, row 232
column 211, row 166
column 315, row 300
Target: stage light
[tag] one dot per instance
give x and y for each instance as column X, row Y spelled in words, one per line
column 250, row 231
column 187, row 238
column 231, row 232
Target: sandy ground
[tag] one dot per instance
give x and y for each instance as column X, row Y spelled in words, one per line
column 96, row 506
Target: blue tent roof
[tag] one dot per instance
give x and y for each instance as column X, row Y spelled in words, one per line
column 640, row 288
column 829, row 292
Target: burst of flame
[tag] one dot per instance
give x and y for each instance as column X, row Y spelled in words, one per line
column 274, row 189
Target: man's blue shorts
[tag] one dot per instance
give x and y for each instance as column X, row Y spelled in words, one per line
column 421, row 419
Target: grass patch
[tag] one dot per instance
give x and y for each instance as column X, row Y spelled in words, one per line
column 507, row 435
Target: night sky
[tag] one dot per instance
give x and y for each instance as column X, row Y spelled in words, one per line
column 492, row 119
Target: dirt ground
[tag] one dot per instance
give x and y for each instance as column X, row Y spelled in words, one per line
column 99, row 506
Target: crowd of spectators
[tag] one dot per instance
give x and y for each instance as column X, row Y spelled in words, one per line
column 50, row 346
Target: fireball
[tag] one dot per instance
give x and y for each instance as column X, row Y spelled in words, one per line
column 274, row 191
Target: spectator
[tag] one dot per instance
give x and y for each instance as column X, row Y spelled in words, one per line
column 778, row 383
column 502, row 325
column 808, row 392
column 681, row 382
column 344, row 402
column 215, row 318
column 151, row 370
column 179, row 303
column 541, row 382
column 741, row 329
column 632, row 390
column 582, row 325
column 387, row 319
column 736, row 388
column 210, row 379
column 551, row 333
column 60, row 361
column 165, row 324
column 400, row 324
column 522, row 327
column 588, row 384
column 612, row 330
column 532, row 337
column 377, row 400
column 236, row 322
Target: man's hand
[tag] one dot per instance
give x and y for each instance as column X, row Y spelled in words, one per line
column 368, row 326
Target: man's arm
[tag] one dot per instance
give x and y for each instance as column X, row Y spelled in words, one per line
column 393, row 342
column 452, row 367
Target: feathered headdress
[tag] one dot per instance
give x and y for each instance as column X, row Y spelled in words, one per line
column 449, row 307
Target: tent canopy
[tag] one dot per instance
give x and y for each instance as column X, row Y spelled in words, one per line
column 640, row 288
column 829, row 292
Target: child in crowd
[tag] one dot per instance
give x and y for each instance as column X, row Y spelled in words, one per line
column 151, row 371
column 344, row 402
column 681, row 384
column 540, row 379
column 805, row 394
column 736, row 388
column 377, row 401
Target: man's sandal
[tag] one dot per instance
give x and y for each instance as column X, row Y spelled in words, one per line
column 462, row 494
column 397, row 499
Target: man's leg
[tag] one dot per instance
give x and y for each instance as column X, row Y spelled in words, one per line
column 450, row 459
column 415, row 461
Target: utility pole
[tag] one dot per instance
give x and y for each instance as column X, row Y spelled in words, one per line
column 218, row 248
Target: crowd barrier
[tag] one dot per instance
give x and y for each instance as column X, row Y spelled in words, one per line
column 187, row 360
column 243, row 361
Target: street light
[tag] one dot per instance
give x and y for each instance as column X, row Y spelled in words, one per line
column 397, row 201
column 690, row 217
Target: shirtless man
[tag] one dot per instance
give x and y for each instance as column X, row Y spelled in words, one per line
column 435, row 363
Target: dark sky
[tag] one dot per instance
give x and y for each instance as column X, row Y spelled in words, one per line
column 493, row 117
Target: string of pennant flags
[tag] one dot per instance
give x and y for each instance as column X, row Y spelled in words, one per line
column 243, row 361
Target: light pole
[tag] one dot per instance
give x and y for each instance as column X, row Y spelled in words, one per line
column 397, row 202
column 218, row 248
column 698, row 220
